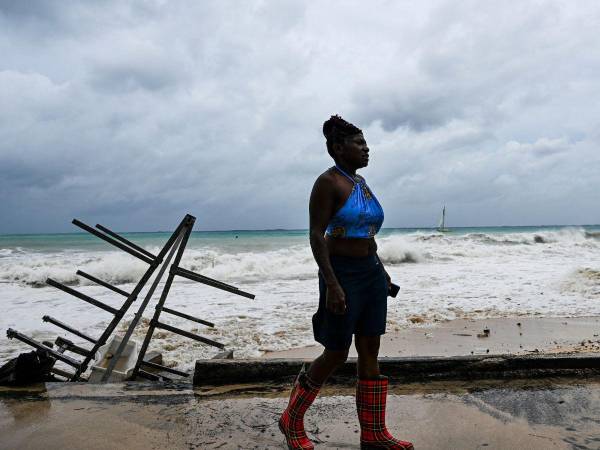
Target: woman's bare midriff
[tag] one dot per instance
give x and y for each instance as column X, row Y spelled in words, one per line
column 354, row 248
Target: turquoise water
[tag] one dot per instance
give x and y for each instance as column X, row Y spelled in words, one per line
column 238, row 240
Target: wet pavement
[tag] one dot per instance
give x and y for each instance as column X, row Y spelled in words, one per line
column 519, row 414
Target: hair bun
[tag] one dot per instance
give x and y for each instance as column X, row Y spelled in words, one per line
column 335, row 127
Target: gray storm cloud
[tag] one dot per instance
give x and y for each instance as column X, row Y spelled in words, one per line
column 132, row 113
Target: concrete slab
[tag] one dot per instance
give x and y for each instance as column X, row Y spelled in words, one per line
column 541, row 414
column 409, row 369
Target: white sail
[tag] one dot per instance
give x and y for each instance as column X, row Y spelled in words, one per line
column 442, row 218
column 442, row 224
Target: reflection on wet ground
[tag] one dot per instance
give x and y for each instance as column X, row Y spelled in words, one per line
column 522, row 414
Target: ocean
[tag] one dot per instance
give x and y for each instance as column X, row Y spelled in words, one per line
column 468, row 273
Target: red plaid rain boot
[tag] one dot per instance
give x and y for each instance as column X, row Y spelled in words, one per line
column 291, row 422
column 370, row 405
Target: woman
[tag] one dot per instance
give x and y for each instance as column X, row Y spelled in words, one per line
column 353, row 286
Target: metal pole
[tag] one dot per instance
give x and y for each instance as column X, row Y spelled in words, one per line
column 139, row 313
column 83, row 274
column 210, row 282
column 66, row 327
column 188, row 317
column 113, row 241
column 133, row 296
column 125, row 241
column 85, row 298
column 164, row 294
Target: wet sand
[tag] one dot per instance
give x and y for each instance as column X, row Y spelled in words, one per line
column 520, row 335
column 545, row 414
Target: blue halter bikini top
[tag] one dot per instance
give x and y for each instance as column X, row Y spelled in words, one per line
column 360, row 217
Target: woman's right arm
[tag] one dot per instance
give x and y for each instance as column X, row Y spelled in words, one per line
column 321, row 209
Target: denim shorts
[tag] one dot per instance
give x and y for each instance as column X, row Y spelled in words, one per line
column 365, row 286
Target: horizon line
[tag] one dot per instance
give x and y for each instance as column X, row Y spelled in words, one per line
column 306, row 229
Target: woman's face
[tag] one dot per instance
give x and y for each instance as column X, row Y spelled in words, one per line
column 355, row 152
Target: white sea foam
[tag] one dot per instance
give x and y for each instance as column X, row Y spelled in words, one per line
column 5, row 252
column 34, row 268
column 442, row 277
column 583, row 281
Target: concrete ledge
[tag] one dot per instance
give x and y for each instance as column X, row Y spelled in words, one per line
column 215, row 372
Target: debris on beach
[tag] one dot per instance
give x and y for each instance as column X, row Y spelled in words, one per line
column 416, row 319
column 589, row 346
column 27, row 368
column 485, row 334
column 122, row 351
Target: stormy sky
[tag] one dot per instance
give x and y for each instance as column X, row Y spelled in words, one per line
column 133, row 113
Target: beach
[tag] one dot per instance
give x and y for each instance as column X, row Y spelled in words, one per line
column 463, row 337
column 471, row 277
column 533, row 414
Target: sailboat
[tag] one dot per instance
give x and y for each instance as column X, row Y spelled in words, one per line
column 442, row 226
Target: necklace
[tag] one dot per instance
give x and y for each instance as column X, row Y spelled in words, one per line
column 354, row 178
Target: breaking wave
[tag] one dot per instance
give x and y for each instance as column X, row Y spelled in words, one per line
column 293, row 262
column 584, row 281
column 398, row 250
column 566, row 235
column 34, row 268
